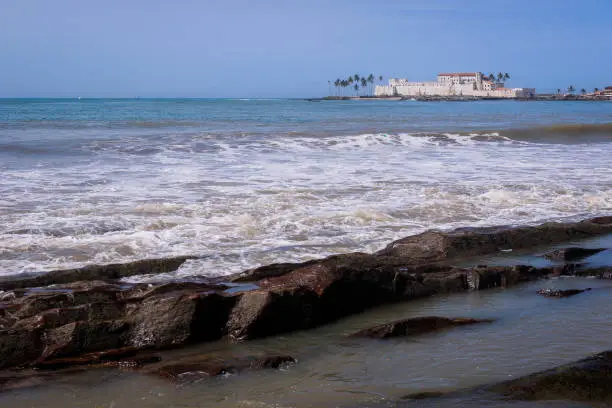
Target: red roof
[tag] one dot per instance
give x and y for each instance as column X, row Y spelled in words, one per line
column 458, row 74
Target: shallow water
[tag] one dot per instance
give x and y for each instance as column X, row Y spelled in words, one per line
column 531, row 333
column 246, row 183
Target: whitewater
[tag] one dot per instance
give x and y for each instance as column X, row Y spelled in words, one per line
column 244, row 183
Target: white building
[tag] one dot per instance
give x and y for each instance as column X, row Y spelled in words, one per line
column 453, row 84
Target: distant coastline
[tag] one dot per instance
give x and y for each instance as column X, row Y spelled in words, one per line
column 541, row 97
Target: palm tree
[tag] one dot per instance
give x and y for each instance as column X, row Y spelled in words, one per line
column 506, row 76
column 596, row 90
column 356, row 89
column 364, row 83
column 337, row 84
column 571, row 89
column 583, row 91
column 500, row 77
column 380, row 78
column 356, row 77
column 371, row 82
column 558, row 91
column 345, row 83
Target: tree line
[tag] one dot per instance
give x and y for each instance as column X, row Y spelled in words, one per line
column 571, row 90
column 355, row 83
column 499, row 78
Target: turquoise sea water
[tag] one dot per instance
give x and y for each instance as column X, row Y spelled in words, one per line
column 246, row 182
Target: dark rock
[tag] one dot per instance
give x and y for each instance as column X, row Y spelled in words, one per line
column 127, row 357
column 95, row 272
column 174, row 318
column 415, row 326
column 424, row 395
column 572, row 254
column 73, row 319
column 585, row 380
column 434, row 246
column 210, row 367
column 560, row 293
column 269, row 271
column 601, row 273
column 18, row 347
column 346, row 284
column 64, row 325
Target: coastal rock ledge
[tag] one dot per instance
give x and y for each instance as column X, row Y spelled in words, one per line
column 87, row 316
column 586, row 380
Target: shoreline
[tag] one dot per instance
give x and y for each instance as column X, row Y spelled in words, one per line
column 537, row 98
column 92, row 319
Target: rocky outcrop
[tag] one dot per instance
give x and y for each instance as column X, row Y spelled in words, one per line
column 94, row 273
column 588, row 380
column 416, row 326
column 44, row 326
column 435, row 246
column 343, row 285
column 585, row 380
column 50, row 324
column 558, row 293
column 572, row 253
column 195, row 369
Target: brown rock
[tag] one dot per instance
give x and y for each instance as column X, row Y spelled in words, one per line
column 572, row 253
column 210, row 367
column 122, row 358
column 95, row 272
column 585, row 380
column 434, row 246
column 560, row 293
column 415, row 326
column 18, row 347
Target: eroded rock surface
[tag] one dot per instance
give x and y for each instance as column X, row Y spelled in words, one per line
column 48, row 324
column 559, row 293
column 572, row 253
column 435, row 246
column 415, row 326
column 588, row 380
column 585, row 380
column 94, row 273
column 43, row 326
column 195, row 368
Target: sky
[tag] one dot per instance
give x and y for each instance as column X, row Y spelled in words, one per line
column 292, row 48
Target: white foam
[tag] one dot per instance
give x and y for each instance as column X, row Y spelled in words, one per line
column 244, row 202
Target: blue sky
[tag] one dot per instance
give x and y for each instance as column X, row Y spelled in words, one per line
column 291, row 48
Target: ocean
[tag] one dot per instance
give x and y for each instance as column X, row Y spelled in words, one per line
column 242, row 183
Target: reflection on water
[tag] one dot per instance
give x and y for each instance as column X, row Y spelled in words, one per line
column 531, row 333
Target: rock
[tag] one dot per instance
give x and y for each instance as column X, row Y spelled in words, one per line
column 560, row 293
column 64, row 325
column 189, row 371
column 268, row 271
column 18, row 347
column 435, row 246
column 423, row 395
column 94, row 272
column 74, row 319
column 600, row 273
column 588, row 380
column 415, row 326
column 122, row 358
column 572, row 253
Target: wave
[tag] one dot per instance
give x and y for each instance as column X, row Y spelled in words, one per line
column 569, row 133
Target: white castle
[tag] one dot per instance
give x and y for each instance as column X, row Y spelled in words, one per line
column 453, row 84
